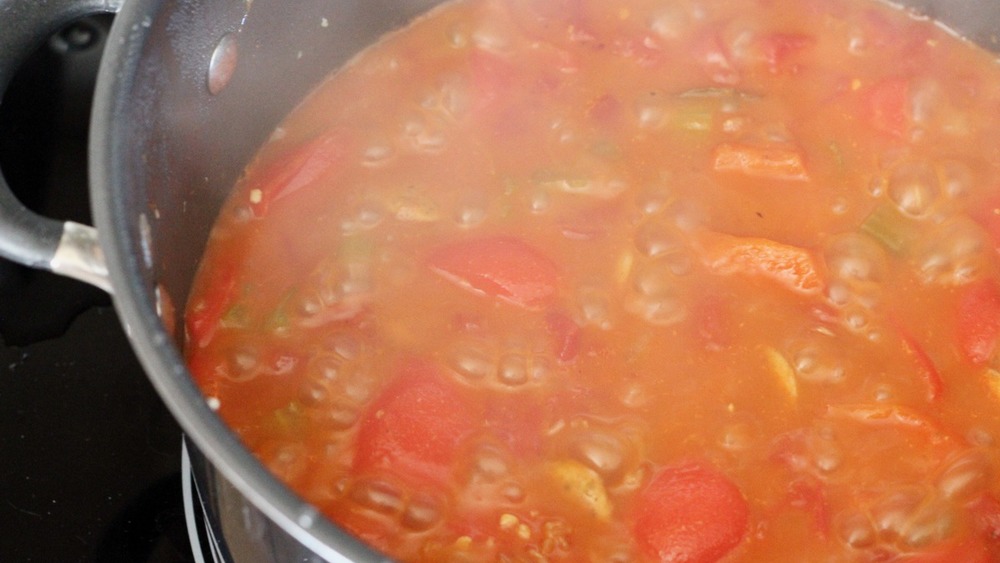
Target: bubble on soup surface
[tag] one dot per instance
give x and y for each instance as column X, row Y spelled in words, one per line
column 490, row 463
column 932, row 523
column 856, row 258
column 287, row 461
column 424, row 134
column 601, row 451
column 335, row 415
column 474, row 359
column 450, row 98
column 378, row 495
column 243, row 364
column 913, row 186
column 654, row 294
column 893, row 513
column 654, row 239
column 818, row 360
column 377, row 153
column 422, row 513
column 964, row 475
column 735, row 437
column 513, row 370
column 957, row 178
column 954, row 254
column 856, row 530
column 594, row 307
column 313, row 392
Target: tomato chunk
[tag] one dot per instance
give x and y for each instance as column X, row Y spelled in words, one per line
column 503, row 267
column 791, row 266
column 773, row 162
column 415, row 427
column 303, row 167
column 690, row 514
column 979, row 321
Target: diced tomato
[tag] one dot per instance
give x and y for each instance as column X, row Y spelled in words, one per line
column 779, row 48
column 791, row 266
column 978, row 319
column 415, row 427
column 303, row 167
column 204, row 316
column 771, row 162
column 500, row 266
column 887, row 106
column 565, row 335
column 925, row 365
column 690, row 514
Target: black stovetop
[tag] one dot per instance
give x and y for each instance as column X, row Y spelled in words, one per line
column 89, row 457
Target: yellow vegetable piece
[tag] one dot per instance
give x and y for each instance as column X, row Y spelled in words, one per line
column 781, row 368
column 582, row 485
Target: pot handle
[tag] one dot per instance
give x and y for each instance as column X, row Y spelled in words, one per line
column 66, row 248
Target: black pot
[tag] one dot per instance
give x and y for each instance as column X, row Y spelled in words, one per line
column 187, row 91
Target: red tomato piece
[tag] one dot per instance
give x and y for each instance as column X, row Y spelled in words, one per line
column 979, row 321
column 887, row 106
column 771, row 162
column 791, row 266
column 303, row 167
column 690, row 514
column 503, row 267
column 415, row 427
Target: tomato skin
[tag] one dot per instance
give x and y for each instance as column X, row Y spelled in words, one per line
column 690, row 513
column 415, row 428
column 978, row 321
column 503, row 267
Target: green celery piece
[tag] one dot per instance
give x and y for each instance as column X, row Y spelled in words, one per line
column 891, row 228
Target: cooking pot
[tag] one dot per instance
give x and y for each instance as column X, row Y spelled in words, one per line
column 187, row 91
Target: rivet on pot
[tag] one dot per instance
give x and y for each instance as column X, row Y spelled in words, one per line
column 223, row 63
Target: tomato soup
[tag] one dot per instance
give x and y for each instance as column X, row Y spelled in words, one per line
column 627, row 280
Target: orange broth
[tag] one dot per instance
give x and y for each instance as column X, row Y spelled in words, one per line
column 605, row 280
